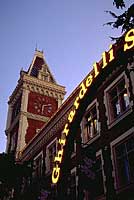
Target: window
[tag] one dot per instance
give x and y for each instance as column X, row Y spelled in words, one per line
column 91, row 124
column 125, row 162
column 99, row 178
column 118, row 100
column 51, row 151
column 95, row 187
column 38, row 166
column 52, row 154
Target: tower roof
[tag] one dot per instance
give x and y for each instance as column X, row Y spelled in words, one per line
column 39, row 68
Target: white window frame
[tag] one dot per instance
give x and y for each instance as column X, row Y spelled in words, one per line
column 113, row 144
column 47, row 161
column 36, row 157
column 94, row 102
column 110, row 122
column 99, row 154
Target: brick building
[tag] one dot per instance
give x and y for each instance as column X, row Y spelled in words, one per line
column 82, row 148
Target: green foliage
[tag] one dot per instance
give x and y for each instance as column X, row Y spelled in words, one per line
column 125, row 21
column 10, row 171
column 119, row 3
column 11, row 175
column 6, row 168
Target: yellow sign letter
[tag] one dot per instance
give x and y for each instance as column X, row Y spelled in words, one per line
column 55, row 174
column 129, row 39
column 82, row 91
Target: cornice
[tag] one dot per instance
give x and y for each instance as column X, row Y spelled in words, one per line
column 33, row 84
column 43, row 84
column 34, row 116
column 43, row 91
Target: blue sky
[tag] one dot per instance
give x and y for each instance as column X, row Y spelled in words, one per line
column 70, row 32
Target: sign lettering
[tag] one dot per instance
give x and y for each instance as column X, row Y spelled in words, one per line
column 107, row 57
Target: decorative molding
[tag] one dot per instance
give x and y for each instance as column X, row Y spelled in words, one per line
column 34, row 116
column 43, row 84
column 15, row 95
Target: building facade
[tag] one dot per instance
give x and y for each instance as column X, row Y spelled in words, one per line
column 82, row 148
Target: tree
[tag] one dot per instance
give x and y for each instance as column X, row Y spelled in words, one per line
column 7, row 165
column 11, row 175
column 119, row 3
column 125, row 21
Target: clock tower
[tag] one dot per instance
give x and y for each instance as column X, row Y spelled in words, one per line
column 35, row 99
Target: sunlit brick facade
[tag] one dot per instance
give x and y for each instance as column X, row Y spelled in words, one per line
column 98, row 159
column 35, row 99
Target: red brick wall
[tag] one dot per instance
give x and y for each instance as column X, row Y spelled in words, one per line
column 33, row 125
column 40, row 105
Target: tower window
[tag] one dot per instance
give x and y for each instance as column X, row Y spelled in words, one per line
column 118, row 100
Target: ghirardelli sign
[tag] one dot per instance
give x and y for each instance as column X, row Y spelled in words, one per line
column 107, row 57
